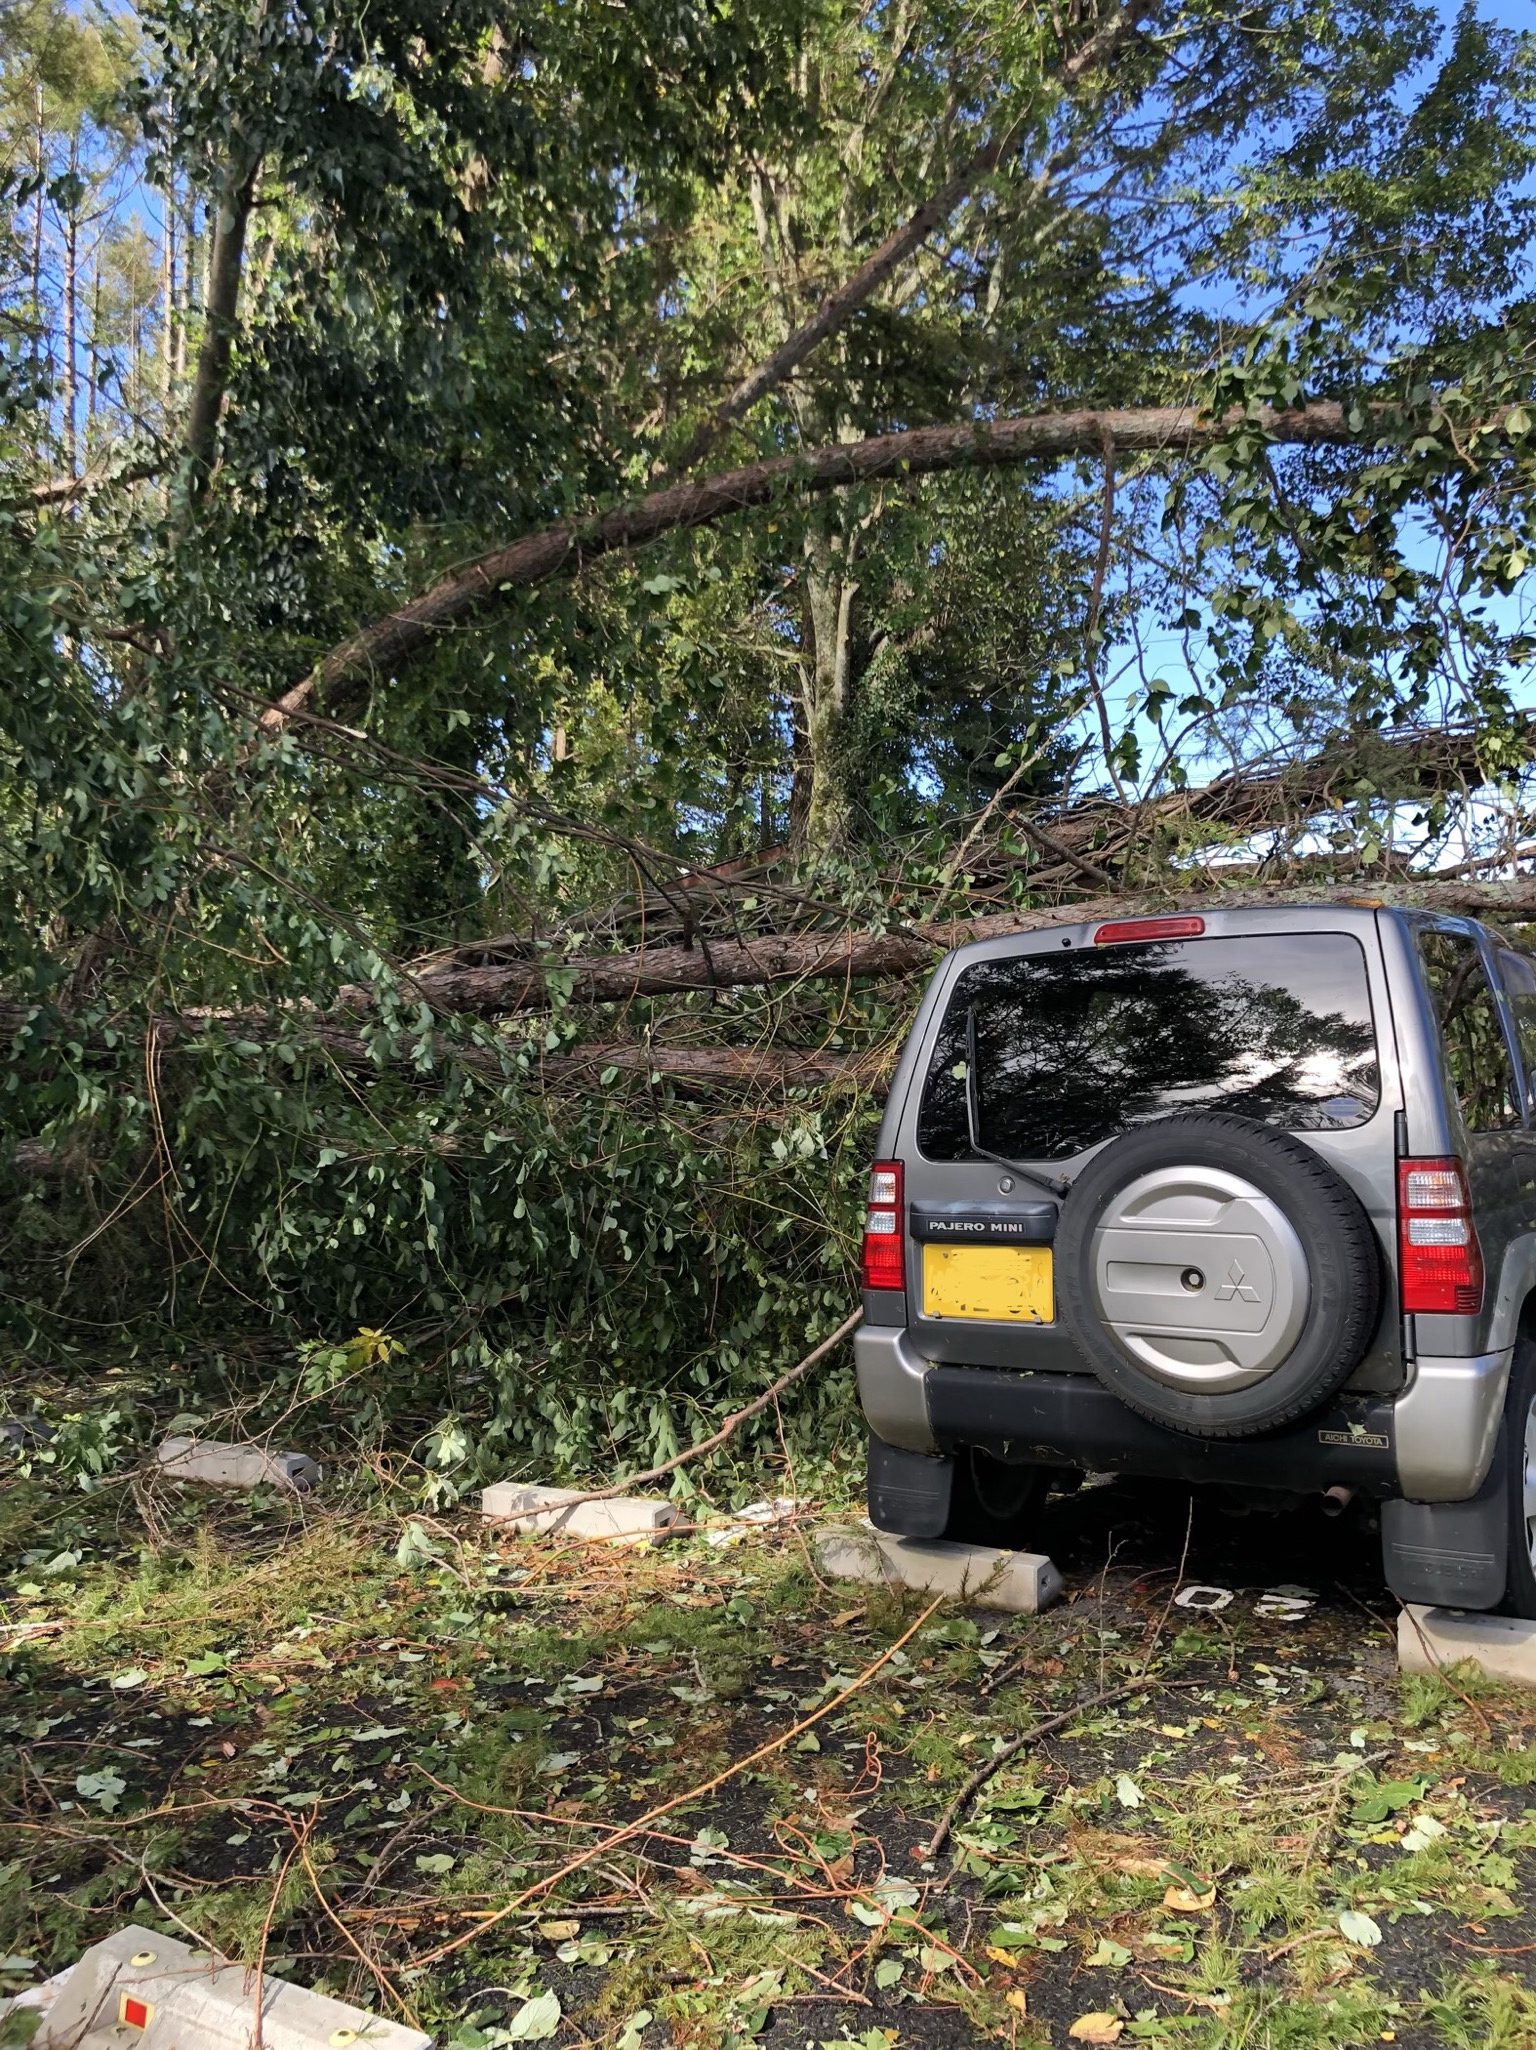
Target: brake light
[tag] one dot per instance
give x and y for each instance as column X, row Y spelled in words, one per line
column 884, row 1256
column 1440, row 1263
column 1148, row 929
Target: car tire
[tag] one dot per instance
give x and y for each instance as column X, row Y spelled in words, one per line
column 1285, row 1314
column 993, row 1502
column 1519, row 1446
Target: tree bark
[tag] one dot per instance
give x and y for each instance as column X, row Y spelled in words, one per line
column 220, row 316
column 406, row 635
column 1411, row 764
column 700, row 1070
column 502, row 987
column 168, row 285
column 60, row 490
column 92, row 361
column 687, row 1071
column 826, row 675
column 40, row 167
column 1415, row 763
column 71, row 318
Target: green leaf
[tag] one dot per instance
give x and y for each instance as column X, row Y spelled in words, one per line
column 1110, row 1954
column 1359, row 1928
column 106, row 1788
column 536, row 2020
column 1377, row 1801
column 894, row 1893
column 416, row 1551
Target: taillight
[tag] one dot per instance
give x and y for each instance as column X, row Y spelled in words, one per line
column 1440, row 1263
column 884, row 1256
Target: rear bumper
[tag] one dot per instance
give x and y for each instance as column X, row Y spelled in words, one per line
column 1432, row 1443
column 1070, row 1420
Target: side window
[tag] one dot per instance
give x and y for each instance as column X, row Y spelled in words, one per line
column 1518, row 972
column 1477, row 1062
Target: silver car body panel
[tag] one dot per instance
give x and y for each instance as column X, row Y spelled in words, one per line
column 1445, row 1425
column 1364, row 1155
column 890, row 1374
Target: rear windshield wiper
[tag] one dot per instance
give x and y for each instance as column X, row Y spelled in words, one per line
column 1053, row 1185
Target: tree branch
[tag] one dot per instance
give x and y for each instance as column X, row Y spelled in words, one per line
column 839, row 306
column 64, row 489
column 1042, row 836
column 690, row 1071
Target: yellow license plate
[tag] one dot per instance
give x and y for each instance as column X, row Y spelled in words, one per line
column 1005, row 1284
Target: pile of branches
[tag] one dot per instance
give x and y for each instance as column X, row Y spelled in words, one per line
column 752, row 924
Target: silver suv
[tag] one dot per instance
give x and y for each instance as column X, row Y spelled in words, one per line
column 1246, row 1197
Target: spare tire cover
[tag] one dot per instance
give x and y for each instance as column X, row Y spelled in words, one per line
column 1217, row 1275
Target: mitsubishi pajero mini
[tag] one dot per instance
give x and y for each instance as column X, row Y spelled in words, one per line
column 1245, row 1197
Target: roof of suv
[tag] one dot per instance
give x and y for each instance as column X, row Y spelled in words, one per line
column 1357, row 915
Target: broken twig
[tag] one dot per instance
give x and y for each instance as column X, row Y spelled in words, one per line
column 999, row 1759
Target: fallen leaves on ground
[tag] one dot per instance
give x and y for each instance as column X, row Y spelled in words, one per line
column 1099, row 2027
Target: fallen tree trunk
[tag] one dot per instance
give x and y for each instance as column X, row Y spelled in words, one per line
column 501, row 987
column 403, row 636
column 1416, row 762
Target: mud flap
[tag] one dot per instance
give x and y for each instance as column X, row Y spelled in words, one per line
column 908, row 1491
column 1452, row 1555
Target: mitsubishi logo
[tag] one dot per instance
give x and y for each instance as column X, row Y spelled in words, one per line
column 1236, row 1284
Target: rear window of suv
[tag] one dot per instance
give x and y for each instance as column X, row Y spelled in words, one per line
column 1073, row 1048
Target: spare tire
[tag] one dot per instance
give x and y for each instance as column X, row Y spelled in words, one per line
column 1217, row 1275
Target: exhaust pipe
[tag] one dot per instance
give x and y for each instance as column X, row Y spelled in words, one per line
column 1337, row 1499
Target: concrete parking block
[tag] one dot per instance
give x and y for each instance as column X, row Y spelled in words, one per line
column 1503, row 1646
column 146, row 1990
column 990, row 1579
column 562, row 1509
column 215, row 1464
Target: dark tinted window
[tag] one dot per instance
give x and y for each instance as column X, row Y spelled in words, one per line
column 1074, row 1047
column 1477, row 1063
column 1518, row 972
